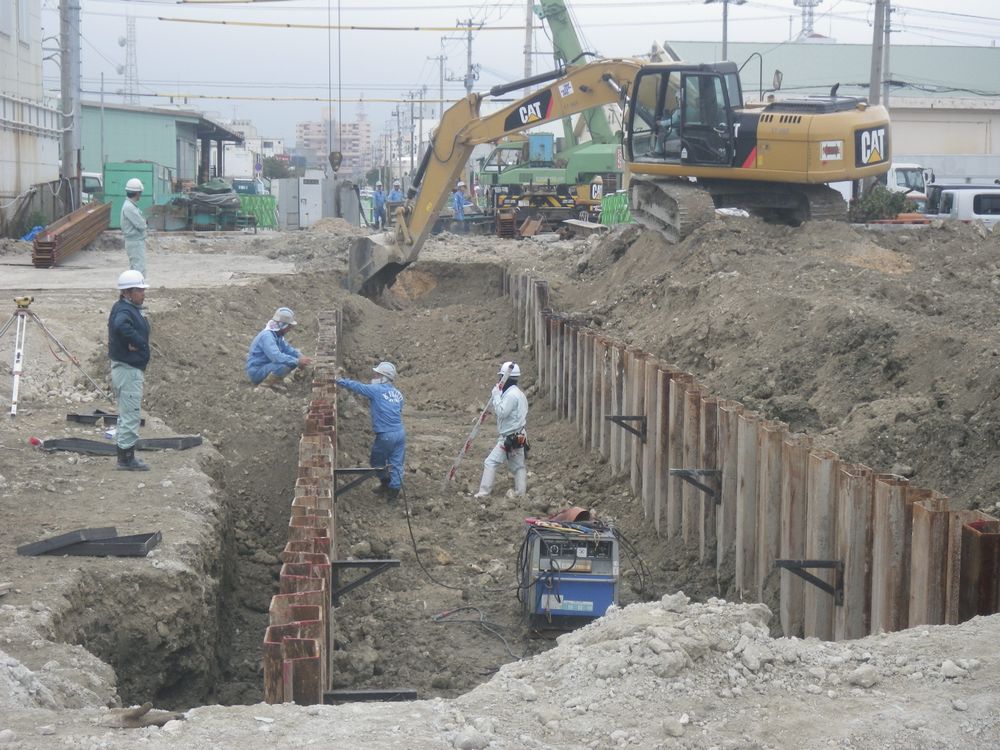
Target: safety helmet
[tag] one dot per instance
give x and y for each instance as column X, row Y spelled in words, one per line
column 378, row 184
column 285, row 316
column 510, row 369
column 134, row 186
column 396, row 183
column 460, row 184
column 132, row 280
column 386, row 369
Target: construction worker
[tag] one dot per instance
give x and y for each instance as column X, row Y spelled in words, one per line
column 133, row 225
column 458, row 204
column 386, row 403
column 510, row 406
column 378, row 206
column 128, row 350
column 271, row 357
column 396, row 194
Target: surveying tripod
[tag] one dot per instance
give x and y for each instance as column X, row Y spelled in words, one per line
column 21, row 316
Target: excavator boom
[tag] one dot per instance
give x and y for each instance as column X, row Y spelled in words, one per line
column 375, row 261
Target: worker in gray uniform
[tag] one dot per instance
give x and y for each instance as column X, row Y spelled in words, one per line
column 510, row 406
column 133, row 225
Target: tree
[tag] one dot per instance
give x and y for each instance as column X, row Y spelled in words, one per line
column 274, row 168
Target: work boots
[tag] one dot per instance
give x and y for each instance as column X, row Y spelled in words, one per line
column 486, row 483
column 521, row 482
column 128, row 462
column 273, row 382
column 391, row 494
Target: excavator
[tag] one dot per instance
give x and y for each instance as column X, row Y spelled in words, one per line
column 690, row 146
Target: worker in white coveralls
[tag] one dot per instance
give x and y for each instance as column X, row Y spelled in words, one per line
column 128, row 350
column 386, row 403
column 510, row 406
column 133, row 225
column 271, row 357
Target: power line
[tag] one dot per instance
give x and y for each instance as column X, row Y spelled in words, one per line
column 323, row 27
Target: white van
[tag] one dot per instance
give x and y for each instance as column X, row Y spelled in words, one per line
column 93, row 186
column 967, row 203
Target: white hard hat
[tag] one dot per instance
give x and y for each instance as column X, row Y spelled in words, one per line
column 134, row 186
column 460, row 184
column 284, row 315
column 132, row 280
column 396, row 182
column 510, row 369
column 378, row 184
column 387, row 369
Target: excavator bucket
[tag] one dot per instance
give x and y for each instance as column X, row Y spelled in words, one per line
column 373, row 264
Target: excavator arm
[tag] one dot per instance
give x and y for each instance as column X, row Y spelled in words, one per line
column 375, row 261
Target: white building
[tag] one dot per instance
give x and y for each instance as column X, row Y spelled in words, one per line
column 30, row 131
column 246, row 159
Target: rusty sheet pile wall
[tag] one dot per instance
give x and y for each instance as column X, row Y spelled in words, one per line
column 896, row 556
column 298, row 644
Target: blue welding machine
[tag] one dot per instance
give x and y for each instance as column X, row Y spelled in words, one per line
column 570, row 577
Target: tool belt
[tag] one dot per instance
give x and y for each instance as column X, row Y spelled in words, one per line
column 516, row 441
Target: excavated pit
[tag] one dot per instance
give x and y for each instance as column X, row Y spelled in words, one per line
column 190, row 635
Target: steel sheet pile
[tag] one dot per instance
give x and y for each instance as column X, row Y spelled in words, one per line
column 71, row 233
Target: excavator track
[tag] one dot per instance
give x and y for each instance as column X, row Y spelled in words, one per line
column 824, row 203
column 673, row 208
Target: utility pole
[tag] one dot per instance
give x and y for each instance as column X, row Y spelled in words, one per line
column 886, row 70
column 69, row 73
column 420, row 140
column 725, row 22
column 399, row 138
column 471, row 71
column 529, row 19
column 878, row 54
column 413, row 124
column 440, row 60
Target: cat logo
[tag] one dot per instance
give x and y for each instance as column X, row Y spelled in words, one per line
column 538, row 108
column 871, row 147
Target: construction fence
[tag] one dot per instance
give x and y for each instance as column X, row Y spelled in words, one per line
column 841, row 550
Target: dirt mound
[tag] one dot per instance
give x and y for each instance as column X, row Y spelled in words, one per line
column 882, row 343
column 337, row 226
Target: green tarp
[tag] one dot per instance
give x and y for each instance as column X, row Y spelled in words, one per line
column 264, row 208
column 614, row 209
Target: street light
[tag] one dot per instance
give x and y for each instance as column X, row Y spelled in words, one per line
column 725, row 22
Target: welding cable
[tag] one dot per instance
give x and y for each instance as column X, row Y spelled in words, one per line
column 444, row 618
column 634, row 559
column 431, row 578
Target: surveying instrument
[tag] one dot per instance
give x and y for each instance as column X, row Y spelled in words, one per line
column 21, row 315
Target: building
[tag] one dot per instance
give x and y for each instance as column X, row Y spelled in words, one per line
column 179, row 139
column 311, row 142
column 246, row 159
column 944, row 101
column 30, row 128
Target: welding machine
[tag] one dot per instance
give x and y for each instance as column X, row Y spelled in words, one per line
column 569, row 573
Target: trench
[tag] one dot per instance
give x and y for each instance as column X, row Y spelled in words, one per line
column 192, row 639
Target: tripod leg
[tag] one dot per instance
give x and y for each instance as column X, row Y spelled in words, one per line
column 19, row 337
column 6, row 325
column 69, row 354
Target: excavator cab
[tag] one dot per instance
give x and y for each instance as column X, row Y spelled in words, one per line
column 683, row 115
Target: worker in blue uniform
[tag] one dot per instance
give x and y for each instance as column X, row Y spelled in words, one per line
column 396, row 194
column 458, row 204
column 271, row 357
column 378, row 206
column 386, row 403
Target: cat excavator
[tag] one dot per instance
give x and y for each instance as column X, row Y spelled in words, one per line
column 690, row 146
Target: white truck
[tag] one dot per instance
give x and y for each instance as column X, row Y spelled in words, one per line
column 966, row 203
column 902, row 177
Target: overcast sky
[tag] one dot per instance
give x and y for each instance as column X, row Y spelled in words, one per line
column 237, row 61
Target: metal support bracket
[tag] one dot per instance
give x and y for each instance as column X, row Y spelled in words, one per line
column 691, row 477
column 623, row 422
column 363, row 471
column 798, row 568
column 376, row 567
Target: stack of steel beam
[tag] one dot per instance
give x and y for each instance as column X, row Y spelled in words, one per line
column 71, row 233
